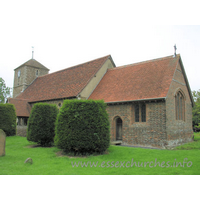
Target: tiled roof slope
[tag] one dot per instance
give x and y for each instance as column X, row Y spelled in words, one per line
column 33, row 63
column 22, row 107
column 145, row 80
column 62, row 84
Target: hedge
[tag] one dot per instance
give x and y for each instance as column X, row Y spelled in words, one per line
column 8, row 119
column 82, row 126
column 41, row 124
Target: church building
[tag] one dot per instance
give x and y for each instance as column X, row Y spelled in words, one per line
column 149, row 103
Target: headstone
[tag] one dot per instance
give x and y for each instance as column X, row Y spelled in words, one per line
column 2, row 142
column 28, row 160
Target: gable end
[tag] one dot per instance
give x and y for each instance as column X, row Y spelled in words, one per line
column 186, row 81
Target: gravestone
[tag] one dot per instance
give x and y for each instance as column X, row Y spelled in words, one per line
column 29, row 160
column 2, row 142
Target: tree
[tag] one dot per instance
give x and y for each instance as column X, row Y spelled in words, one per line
column 82, row 127
column 41, row 124
column 5, row 92
column 196, row 109
column 8, row 119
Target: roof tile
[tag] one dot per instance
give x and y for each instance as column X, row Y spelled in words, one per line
column 22, row 107
column 145, row 80
column 33, row 63
column 62, row 84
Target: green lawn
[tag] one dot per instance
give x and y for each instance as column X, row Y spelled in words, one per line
column 46, row 161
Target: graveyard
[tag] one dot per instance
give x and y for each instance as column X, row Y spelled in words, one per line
column 117, row 160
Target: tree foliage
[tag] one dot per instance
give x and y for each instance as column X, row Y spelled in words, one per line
column 8, row 119
column 41, row 124
column 5, row 92
column 196, row 109
column 82, row 127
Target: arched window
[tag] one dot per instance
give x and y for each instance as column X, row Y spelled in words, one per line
column 118, row 128
column 180, row 106
column 59, row 105
column 19, row 73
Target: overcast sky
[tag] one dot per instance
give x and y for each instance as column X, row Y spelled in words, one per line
column 67, row 33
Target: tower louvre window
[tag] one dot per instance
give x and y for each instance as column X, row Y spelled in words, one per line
column 19, row 73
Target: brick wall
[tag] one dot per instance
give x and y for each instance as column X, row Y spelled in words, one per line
column 178, row 131
column 151, row 133
column 161, row 128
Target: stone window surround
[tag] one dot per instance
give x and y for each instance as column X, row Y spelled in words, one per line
column 140, row 113
column 180, row 98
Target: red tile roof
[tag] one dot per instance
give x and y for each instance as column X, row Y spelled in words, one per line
column 62, row 84
column 145, row 80
column 22, row 107
column 140, row 81
column 33, row 63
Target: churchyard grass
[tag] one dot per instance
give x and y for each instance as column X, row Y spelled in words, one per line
column 192, row 145
column 48, row 161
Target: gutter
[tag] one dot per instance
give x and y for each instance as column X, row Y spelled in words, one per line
column 154, row 99
column 38, row 101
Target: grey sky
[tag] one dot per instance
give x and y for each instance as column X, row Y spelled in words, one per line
column 67, row 33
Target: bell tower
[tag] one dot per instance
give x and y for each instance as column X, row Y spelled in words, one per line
column 26, row 73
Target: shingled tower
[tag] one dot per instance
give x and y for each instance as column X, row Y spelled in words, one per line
column 26, row 73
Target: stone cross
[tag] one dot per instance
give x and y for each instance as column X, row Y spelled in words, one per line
column 2, row 142
column 175, row 50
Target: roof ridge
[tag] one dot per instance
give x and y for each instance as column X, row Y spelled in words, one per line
column 64, row 83
column 75, row 66
column 108, row 56
column 144, row 62
column 20, row 99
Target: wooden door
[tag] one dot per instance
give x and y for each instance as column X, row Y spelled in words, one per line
column 118, row 129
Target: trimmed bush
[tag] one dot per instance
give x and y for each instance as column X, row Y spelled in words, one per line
column 8, row 119
column 41, row 124
column 82, row 126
